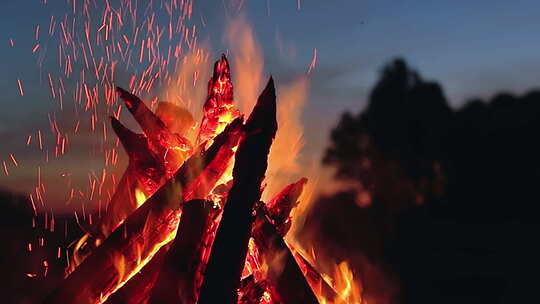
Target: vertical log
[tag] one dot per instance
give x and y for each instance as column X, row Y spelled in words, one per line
column 222, row 277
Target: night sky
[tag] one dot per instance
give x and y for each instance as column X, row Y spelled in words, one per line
column 471, row 48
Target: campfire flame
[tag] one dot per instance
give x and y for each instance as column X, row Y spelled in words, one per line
column 348, row 289
column 175, row 161
column 266, row 268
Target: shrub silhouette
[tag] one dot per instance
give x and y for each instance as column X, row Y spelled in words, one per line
column 443, row 200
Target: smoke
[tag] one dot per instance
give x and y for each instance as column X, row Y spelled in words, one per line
column 188, row 87
column 247, row 63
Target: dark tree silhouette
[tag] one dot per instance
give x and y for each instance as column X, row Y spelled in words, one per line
column 393, row 148
column 443, row 200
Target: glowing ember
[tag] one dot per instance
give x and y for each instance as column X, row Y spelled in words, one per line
column 218, row 109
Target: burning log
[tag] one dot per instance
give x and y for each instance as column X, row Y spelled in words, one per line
column 176, row 282
column 316, row 281
column 137, row 289
column 152, row 158
column 174, row 264
column 123, row 201
column 218, row 108
column 151, row 226
column 144, row 172
column 280, row 206
column 284, row 276
column 207, row 242
column 278, row 210
column 171, row 147
column 222, row 277
column 149, row 122
column 147, row 170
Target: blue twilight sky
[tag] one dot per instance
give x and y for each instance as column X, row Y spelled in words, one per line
column 473, row 48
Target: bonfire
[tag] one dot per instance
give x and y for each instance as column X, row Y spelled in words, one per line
column 186, row 223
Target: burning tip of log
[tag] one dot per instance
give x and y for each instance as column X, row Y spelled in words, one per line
column 221, row 67
column 281, row 205
column 129, row 139
column 149, row 122
column 219, row 107
column 236, row 124
column 228, row 253
column 140, row 155
column 263, row 116
column 220, row 85
column 131, row 100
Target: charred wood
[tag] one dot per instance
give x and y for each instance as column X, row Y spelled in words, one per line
column 218, row 107
column 176, row 280
column 137, row 289
column 151, row 226
column 228, row 255
column 284, row 276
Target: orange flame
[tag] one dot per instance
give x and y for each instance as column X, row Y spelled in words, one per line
column 247, row 63
column 283, row 163
column 140, row 197
column 188, row 86
column 349, row 291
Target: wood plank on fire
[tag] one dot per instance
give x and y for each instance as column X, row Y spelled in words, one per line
column 284, row 276
column 228, row 255
column 270, row 248
column 150, row 227
column 169, row 276
column 176, row 280
column 137, row 289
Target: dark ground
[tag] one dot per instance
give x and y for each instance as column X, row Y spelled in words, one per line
column 16, row 261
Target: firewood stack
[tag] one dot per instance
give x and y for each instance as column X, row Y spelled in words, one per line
column 202, row 236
